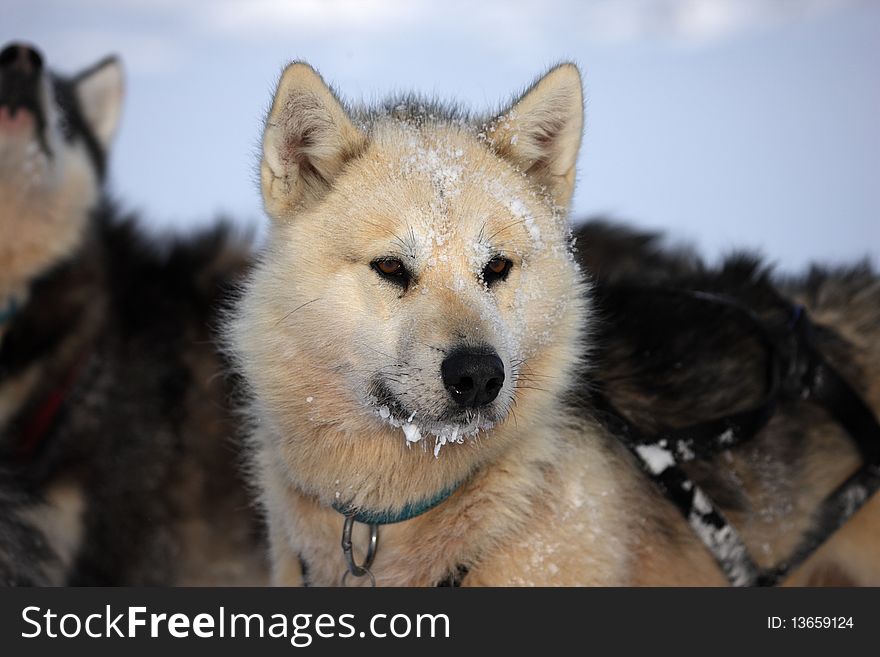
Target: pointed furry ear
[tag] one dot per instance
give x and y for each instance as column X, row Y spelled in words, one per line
column 308, row 139
column 541, row 132
column 99, row 91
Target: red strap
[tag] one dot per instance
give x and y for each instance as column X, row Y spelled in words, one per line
column 37, row 426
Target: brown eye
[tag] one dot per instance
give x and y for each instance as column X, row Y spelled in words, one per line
column 392, row 270
column 496, row 269
column 389, row 267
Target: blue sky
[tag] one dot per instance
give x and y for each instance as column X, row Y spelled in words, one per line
column 726, row 123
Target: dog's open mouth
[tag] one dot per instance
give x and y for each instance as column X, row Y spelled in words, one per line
column 15, row 118
column 21, row 107
column 448, row 427
column 23, row 117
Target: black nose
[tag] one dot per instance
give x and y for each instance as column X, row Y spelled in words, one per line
column 21, row 59
column 472, row 378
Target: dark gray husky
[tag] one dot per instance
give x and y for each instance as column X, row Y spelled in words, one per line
column 117, row 458
column 763, row 393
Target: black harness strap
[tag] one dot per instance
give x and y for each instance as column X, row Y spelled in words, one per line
column 796, row 371
column 660, row 458
column 847, row 408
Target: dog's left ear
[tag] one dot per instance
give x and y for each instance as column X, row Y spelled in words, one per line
column 541, row 132
column 99, row 91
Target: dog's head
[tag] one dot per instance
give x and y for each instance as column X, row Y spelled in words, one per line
column 419, row 276
column 54, row 136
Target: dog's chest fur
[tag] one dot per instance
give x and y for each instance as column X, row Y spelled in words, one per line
column 532, row 518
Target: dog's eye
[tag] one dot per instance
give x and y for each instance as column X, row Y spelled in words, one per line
column 393, row 270
column 496, row 270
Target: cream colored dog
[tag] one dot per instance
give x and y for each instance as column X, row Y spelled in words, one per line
column 411, row 338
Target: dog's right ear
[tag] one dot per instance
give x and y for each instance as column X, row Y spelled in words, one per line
column 99, row 90
column 541, row 132
column 307, row 140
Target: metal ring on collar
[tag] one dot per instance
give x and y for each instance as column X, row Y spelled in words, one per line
column 355, row 569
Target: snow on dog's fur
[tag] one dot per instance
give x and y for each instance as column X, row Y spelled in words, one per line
column 418, row 323
column 345, row 362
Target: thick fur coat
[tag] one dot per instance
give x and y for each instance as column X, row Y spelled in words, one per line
column 118, row 459
column 389, row 229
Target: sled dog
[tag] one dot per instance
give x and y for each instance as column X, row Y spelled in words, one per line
column 417, row 340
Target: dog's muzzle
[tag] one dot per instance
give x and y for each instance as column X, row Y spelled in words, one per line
column 21, row 76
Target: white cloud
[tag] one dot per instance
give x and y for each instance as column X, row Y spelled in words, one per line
column 505, row 23
column 618, row 22
column 272, row 16
column 708, row 21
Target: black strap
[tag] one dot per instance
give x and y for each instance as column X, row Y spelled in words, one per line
column 797, row 371
column 847, row 408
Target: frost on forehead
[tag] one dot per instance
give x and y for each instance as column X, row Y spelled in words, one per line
column 440, row 162
column 513, row 202
column 453, row 167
